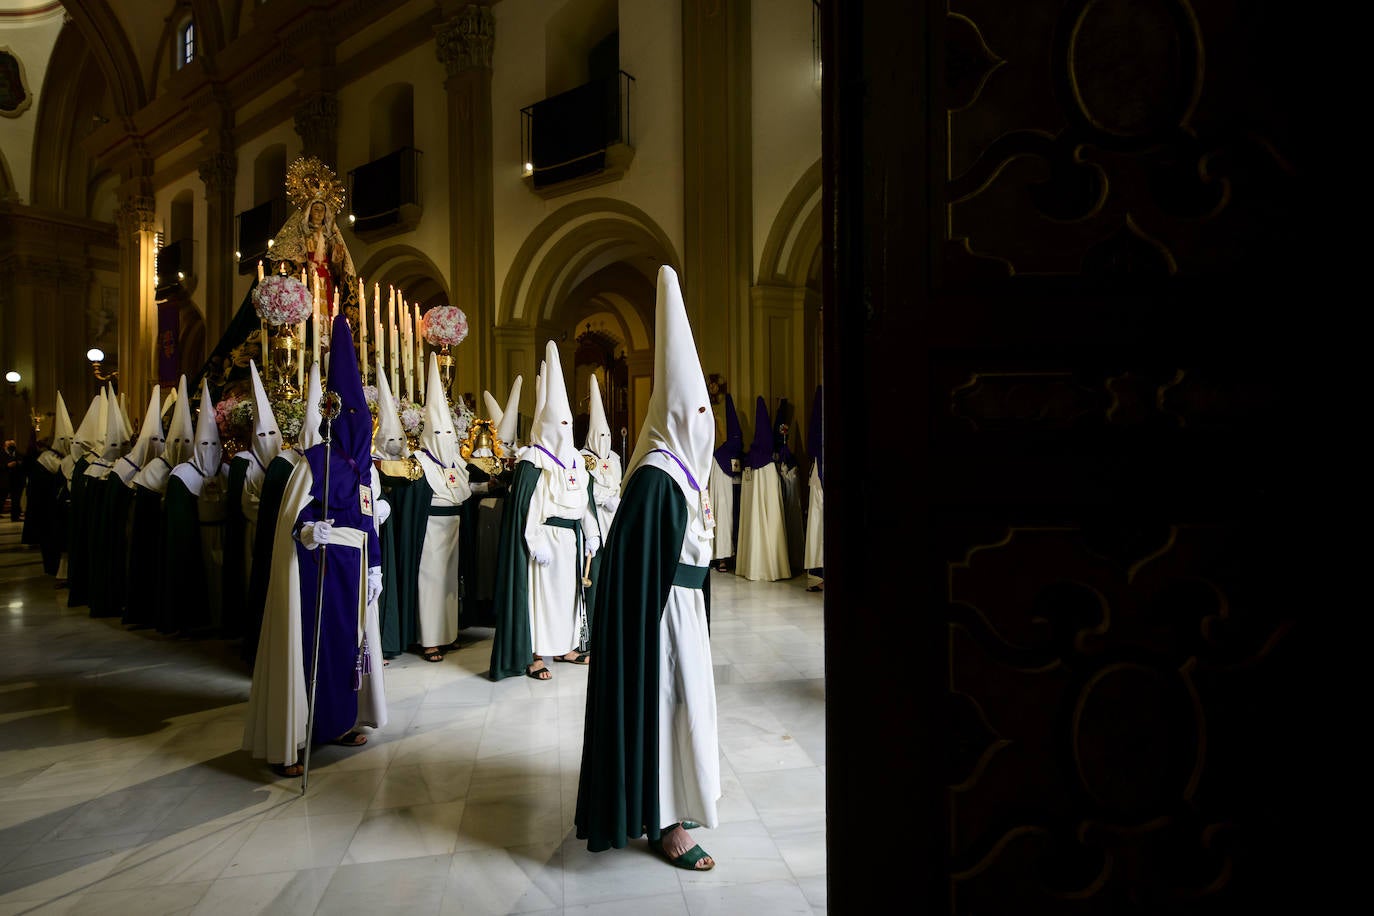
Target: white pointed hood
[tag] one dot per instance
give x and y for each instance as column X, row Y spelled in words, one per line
column 149, row 444
column 389, row 441
column 556, row 418
column 494, row 411
column 128, row 427
column 266, row 442
column 206, row 454
column 180, row 432
column 599, row 440
column 540, row 393
column 439, row 437
column 678, row 417
column 62, row 428
column 86, row 441
column 508, row 426
column 114, row 443
column 310, row 434
column 168, row 401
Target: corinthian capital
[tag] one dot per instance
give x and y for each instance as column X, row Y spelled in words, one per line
column 465, row 41
column 317, row 122
column 136, row 214
column 218, row 171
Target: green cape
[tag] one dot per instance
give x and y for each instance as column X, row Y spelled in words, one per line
column 233, row 588
column 269, row 504
column 403, row 540
column 185, row 606
column 617, row 793
column 78, row 559
column 143, row 604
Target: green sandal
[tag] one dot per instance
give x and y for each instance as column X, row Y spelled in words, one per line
column 687, row 860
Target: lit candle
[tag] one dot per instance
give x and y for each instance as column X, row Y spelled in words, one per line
column 335, row 313
column 259, row 270
column 420, row 351
column 315, row 325
column 394, row 339
column 407, row 354
column 362, row 330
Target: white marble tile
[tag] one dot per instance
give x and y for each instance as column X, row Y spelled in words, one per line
column 525, row 820
column 422, row 784
column 285, row 844
column 776, row 898
column 147, row 901
column 616, row 874
column 489, row 882
column 414, row 885
column 405, row 833
column 786, row 791
column 658, row 905
column 334, row 793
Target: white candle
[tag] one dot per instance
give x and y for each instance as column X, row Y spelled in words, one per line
column 335, row 313
column 315, row 325
column 300, row 358
column 362, row 330
column 259, row 271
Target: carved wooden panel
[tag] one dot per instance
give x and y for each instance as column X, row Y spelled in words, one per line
column 1111, row 137
column 1099, row 682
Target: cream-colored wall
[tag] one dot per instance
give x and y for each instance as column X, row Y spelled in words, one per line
column 165, row 195
column 283, row 133
column 651, row 52
column 422, row 70
column 31, row 38
column 785, row 105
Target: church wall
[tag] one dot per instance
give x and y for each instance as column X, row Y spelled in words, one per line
column 650, row 51
column 786, row 108
column 422, row 70
column 244, row 196
column 31, row 38
column 165, row 194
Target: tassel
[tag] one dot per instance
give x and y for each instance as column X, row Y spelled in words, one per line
column 358, row 673
column 367, row 658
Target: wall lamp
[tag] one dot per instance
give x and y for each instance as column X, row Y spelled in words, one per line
column 97, row 356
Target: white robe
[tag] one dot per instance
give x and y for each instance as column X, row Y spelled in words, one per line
column 762, row 552
column 606, row 478
column 554, row 590
column 815, row 527
column 688, row 736
column 275, row 724
column 438, row 581
column 721, row 488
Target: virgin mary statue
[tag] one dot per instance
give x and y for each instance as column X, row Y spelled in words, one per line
column 310, row 239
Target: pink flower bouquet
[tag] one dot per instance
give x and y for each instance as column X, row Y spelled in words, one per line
column 445, row 326
column 282, row 300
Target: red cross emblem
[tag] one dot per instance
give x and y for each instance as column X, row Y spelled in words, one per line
column 367, row 501
column 572, row 479
column 452, row 478
column 605, row 465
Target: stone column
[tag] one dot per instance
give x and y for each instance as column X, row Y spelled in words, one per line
column 136, row 220
column 217, row 172
column 717, row 188
column 317, row 123
column 463, row 44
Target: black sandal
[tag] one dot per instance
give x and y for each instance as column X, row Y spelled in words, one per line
column 538, row 673
column 288, row 770
column 581, row 659
column 432, row 655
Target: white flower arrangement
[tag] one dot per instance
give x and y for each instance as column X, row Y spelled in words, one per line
column 445, row 326
column 282, row 300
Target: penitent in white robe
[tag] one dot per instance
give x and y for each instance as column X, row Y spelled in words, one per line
column 721, row 488
column 554, row 590
column 688, row 737
column 815, row 523
column 762, row 552
column 438, row 582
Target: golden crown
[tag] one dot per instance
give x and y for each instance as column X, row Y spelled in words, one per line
column 308, row 179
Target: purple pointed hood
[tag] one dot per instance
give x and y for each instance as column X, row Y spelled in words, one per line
column 351, row 452
column 813, row 435
column 761, row 451
column 733, row 446
column 782, row 434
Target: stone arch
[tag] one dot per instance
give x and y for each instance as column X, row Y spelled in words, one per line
column 795, row 234
column 110, row 48
column 407, row 268
column 75, row 88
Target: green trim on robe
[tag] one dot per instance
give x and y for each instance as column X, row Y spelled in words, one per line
column 617, row 794
column 233, row 588
column 474, row 608
column 269, row 505
column 403, row 540
column 143, row 602
column 512, row 645
column 78, row 567
column 185, row 608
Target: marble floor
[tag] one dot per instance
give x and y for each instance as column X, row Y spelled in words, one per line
column 123, row 789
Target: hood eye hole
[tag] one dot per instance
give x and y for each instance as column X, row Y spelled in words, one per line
column 701, row 410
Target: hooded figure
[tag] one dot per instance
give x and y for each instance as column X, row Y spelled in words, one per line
column 195, row 505
column 48, row 495
column 790, row 478
column 483, row 517
column 338, row 529
column 269, row 503
column 150, row 602
column 604, row 465
column 247, row 472
column 105, row 526
column 86, row 447
column 403, row 535
column 814, row 557
column 544, row 536
column 726, row 474
column 446, row 477
column 761, row 554
column 132, row 553
column 650, row 751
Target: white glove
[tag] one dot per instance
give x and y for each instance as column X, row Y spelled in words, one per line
column 593, row 544
column 313, row 534
column 612, row 503
column 374, row 583
column 382, row 510
column 541, row 556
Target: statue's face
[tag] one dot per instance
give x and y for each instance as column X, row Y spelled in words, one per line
column 317, row 214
